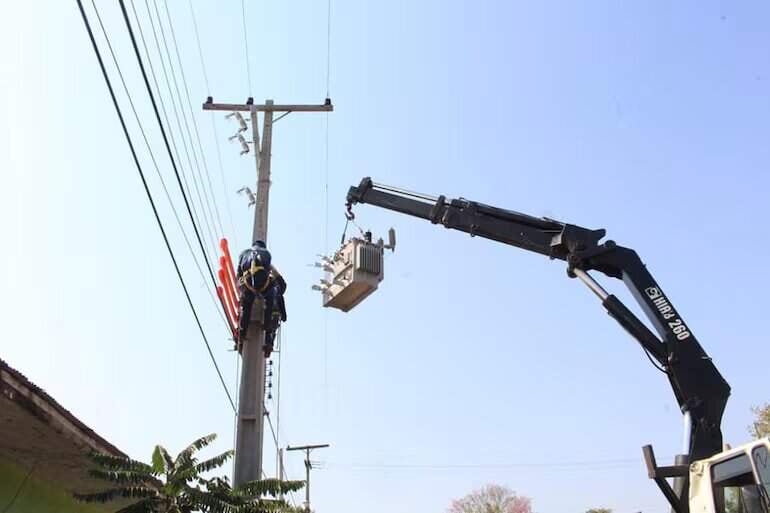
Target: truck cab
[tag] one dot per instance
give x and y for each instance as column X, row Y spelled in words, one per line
column 733, row 481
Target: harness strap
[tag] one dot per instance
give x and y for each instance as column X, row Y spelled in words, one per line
column 252, row 271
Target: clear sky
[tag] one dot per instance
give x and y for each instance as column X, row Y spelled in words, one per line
column 474, row 362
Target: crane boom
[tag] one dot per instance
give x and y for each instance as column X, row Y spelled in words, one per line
column 700, row 389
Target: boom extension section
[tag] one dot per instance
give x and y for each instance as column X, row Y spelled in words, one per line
column 700, row 389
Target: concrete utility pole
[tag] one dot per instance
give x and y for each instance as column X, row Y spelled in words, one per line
column 308, row 466
column 250, row 431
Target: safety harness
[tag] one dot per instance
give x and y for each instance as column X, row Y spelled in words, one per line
column 253, row 271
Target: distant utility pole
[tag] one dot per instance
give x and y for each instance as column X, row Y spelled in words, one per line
column 308, row 466
column 250, row 431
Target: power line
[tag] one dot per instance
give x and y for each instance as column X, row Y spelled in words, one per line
column 213, row 125
column 272, row 429
column 194, row 124
column 281, row 348
column 594, row 464
column 328, row 43
column 326, row 199
column 144, row 181
column 182, row 187
column 195, row 218
column 182, row 182
column 237, row 404
column 20, row 488
column 196, row 177
column 155, row 163
column 285, row 477
column 206, row 215
column 246, row 43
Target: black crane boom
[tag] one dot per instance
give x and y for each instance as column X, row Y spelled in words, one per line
column 698, row 386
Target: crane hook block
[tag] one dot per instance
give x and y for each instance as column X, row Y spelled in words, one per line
column 354, row 271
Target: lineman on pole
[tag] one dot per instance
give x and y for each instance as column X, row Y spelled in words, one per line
column 258, row 277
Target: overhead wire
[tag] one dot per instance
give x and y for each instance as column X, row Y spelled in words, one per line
column 20, row 488
column 281, row 349
column 237, row 404
column 326, row 201
column 144, row 180
column 272, row 429
column 233, row 232
column 246, row 44
column 194, row 218
column 593, row 464
column 197, row 175
column 207, row 217
column 328, row 43
column 195, row 126
column 184, row 184
column 157, row 168
column 227, row 203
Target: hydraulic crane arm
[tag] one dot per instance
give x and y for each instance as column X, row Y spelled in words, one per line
column 699, row 388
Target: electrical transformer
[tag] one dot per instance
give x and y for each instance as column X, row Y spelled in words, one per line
column 353, row 272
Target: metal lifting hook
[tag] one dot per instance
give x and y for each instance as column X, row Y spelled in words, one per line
column 349, row 215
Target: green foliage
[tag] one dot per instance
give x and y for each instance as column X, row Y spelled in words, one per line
column 761, row 426
column 175, row 485
column 599, row 510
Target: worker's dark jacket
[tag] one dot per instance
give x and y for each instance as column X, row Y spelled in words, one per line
column 257, row 276
column 254, row 267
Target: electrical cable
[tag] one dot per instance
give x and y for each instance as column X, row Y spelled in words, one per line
column 654, row 363
column 183, row 185
column 282, row 348
column 157, row 168
column 285, row 477
column 270, row 423
column 326, row 200
column 278, row 382
column 213, row 125
column 595, row 464
column 20, row 488
column 195, row 126
column 326, row 251
column 328, row 43
column 144, row 182
column 196, row 219
column 206, row 215
column 246, row 43
column 237, row 404
column 165, row 137
column 197, row 177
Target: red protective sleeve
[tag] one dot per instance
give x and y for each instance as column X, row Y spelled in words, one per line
column 231, row 305
column 229, row 267
column 228, row 314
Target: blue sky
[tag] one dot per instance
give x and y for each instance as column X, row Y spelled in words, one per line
column 474, row 362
